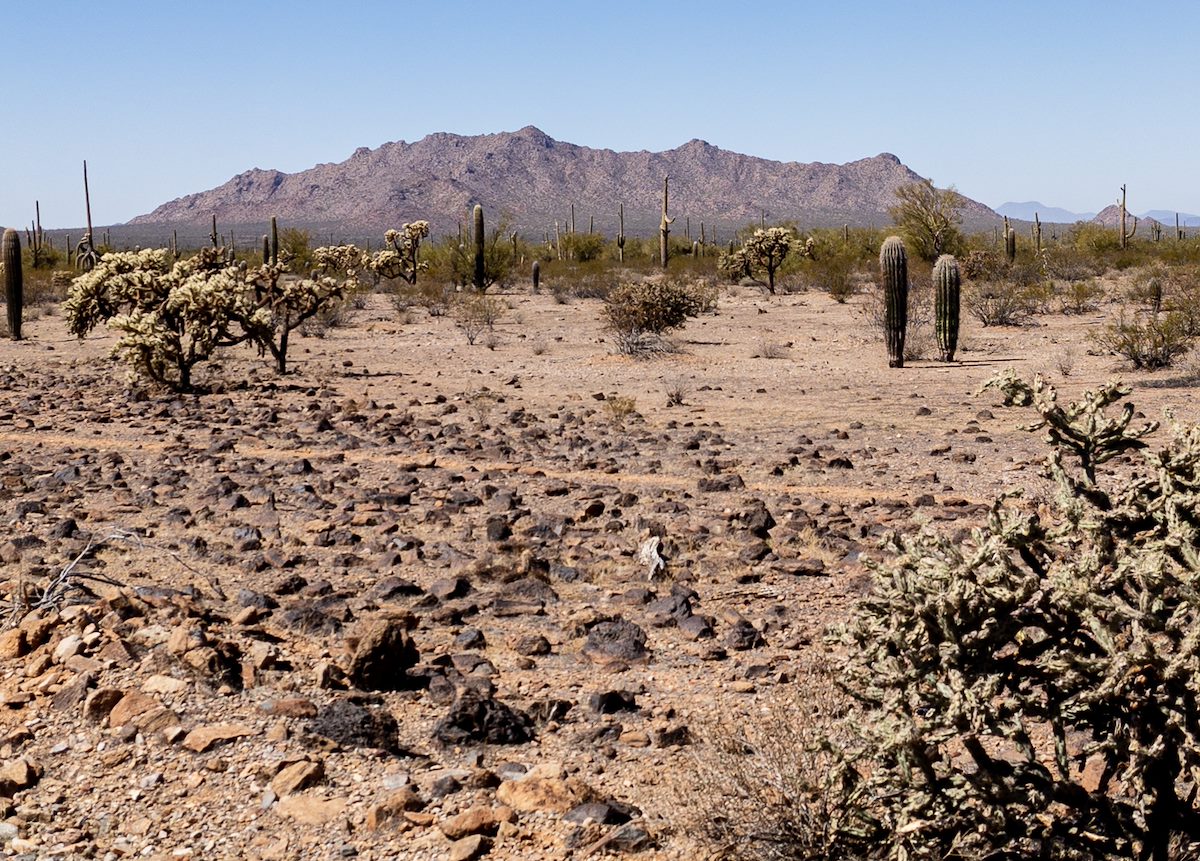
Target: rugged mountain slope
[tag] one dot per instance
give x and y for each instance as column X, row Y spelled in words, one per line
column 537, row 179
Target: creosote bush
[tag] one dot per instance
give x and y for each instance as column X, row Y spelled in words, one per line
column 638, row 314
column 1149, row 341
column 1032, row 691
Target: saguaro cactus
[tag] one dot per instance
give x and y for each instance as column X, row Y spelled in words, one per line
column 14, row 292
column 947, row 284
column 266, row 249
column 274, row 241
column 621, row 233
column 664, row 228
column 537, row 275
column 479, row 248
column 1010, row 244
column 1126, row 236
column 1037, row 233
column 893, row 266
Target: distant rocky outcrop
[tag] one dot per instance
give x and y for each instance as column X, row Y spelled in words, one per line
column 536, row 179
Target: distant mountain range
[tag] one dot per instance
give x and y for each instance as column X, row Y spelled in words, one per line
column 1054, row 214
column 535, row 180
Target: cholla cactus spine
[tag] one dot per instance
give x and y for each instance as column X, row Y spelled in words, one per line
column 947, row 288
column 480, row 270
column 893, row 265
column 14, row 292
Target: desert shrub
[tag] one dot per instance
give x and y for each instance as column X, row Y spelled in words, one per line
column 1149, row 341
column 583, row 247
column 1081, row 297
column 1031, row 691
column 639, row 313
column 295, row 249
column 399, row 261
column 998, row 303
column 620, row 408
column 771, row 789
column 476, row 314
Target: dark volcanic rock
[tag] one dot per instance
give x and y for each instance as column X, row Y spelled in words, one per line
column 383, row 657
column 616, row 642
column 476, row 718
column 350, row 725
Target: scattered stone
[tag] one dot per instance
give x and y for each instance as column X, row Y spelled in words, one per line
column 349, row 726
column 544, row 788
column 297, row 776
column 205, row 738
column 469, row 848
column 18, row 775
column 384, row 655
column 309, row 810
column 474, row 717
column 392, row 809
column 615, row 643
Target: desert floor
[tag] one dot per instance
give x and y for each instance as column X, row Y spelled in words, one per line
column 256, row 552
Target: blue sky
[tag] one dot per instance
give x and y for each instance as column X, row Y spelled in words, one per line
column 1060, row 102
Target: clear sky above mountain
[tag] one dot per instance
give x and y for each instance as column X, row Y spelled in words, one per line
column 1060, row 102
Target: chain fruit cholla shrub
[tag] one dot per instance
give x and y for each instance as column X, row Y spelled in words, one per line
column 171, row 316
column 1034, row 692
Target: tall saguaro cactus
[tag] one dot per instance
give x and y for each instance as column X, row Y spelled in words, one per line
column 1037, row 233
column 537, row 275
column 947, row 283
column 478, row 280
column 14, row 292
column 664, row 228
column 274, row 241
column 893, row 266
column 1126, row 236
column 621, row 233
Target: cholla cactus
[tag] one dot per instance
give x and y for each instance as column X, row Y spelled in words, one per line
column 348, row 260
column 174, row 316
column 171, row 317
column 766, row 249
column 735, row 265
column 1034, row 691
column 400, row 259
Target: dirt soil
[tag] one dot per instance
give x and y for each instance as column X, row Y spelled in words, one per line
column 399, row 603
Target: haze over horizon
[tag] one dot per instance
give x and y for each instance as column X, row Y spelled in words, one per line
column 1007, row 103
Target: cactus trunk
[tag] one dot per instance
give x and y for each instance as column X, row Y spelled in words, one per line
column 621, row 233
column 479, row 247
column 274, row 241
column 664, row 229
column 947, row 284
column 537, row 275
column 893, row 265
column 14, row 293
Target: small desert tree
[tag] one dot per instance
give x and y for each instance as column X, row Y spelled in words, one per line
column 766, row 249
column 929, row 217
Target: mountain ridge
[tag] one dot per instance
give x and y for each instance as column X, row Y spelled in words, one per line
column 535, row 179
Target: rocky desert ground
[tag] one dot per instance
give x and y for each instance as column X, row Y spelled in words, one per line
column 403, row 603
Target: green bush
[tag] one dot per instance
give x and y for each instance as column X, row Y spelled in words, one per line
column 636, row 310
column 1149, row 341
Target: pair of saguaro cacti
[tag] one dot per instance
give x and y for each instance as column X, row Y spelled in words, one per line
column 893, row 265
